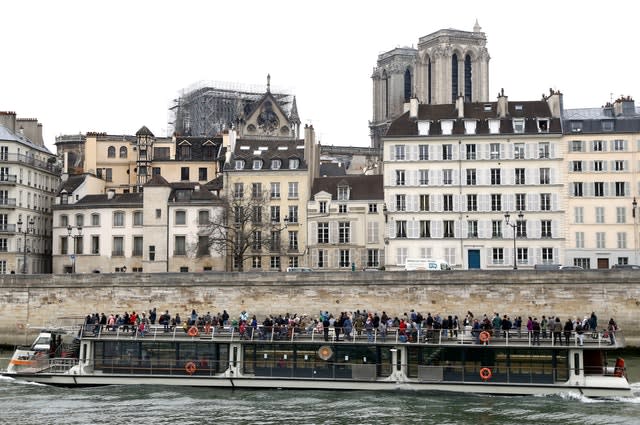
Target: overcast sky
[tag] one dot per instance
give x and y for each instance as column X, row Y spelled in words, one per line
column 115, row 66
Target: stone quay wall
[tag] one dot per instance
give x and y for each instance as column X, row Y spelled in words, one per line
column 31, row 301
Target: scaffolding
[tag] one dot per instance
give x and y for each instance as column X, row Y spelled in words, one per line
column 207, row 108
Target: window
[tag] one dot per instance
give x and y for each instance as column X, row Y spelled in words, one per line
column 111, row 152
column 472, row 202
column 257, row 164
column 137, row 246
column 579, row 239
column 293, row 262
column 495, row 150
column 108, row 174
column 400, row 178
column 471, row 176
column 423, row 152
column 155, row 171
column 158, row 213
column 239, row 164
column 623, row 260
column 181, row 218
column 607, row 125
column 400, row 152
column 597, row 145
column 344, row 232
column 238, row 190
column 585, row 263
column 184, row 152
column 64, row 245
column 447, row 177
column 520, row 176
column 118, row 247
column 293, row 240
column 256, row 216
column 180, row 246
column 523, row 255
column 598, row 188
column 518, row 150
column 424, row 202
column 202, row 174
column 95, row 245
column 545, row 202
column 275, row 213
column 256, row 240
column 256, row 262
column 152, row 252
column 620, row 189
column 600, row 240
column 401, row 203
column 373, row 258
column 622, row 240
column 545, row 228
column 373, row 208
column 322, row 205
column 472, row 228
column 448, row 228
column 137, row 218
column 578, row 215
column 123, row 152
column 323, row 232
column 95, row 219
column 161, row 153
column 401, row 229
column 471, row 152
column 543, row 150
column 425, row 228
column 545, row 176
column 294, row 163
column 496, row 202
column 256, row 190
column 547, row 255
column 276, row 164
column 621, row 215
column 293, row 214
column 619, row 145
column 577, row 189
column 618, row 165
column 118, row 219
column 64, row 220
column 343, row 193
column 424, row 177
column 576, row 166
column 600, row 215
column 521, row 204
column 448, row 202
column 518, row 125
column 447, row 152
column 495, row 176
column 345, row 258
column 323, row 258
column 184, row 173
column 521, row 228
column 496, row 228
column 497, row 256
column 275, row 190
column 576, row 146
column 598, row 165
column 293, row 190
column 274, row 263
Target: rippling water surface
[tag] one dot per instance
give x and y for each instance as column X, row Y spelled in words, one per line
column 25, row 403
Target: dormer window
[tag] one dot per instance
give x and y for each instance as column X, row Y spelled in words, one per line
column 576, row 126
column 239, row 165
column 607, row 125
column 470, row 126
column 276, row 164
column 543, row 125
column 518, row 125
column 447, row 127
column 343, row 193
column 494, row 126
column 294, row 163
column 257, row 164
column 423, row 128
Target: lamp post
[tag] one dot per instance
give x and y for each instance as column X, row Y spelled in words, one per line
column 634, row 206
column 29, row 228
column 75, row 248
column 514, row 226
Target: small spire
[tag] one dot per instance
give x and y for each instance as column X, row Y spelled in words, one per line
column 477, row 27
column 293, row 116
column 268, row 83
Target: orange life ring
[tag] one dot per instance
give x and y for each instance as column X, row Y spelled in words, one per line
column 325, row 352
column 485, row 373
column 190, row 367
column 618, row 370
column 485, row 336
column 193, row 331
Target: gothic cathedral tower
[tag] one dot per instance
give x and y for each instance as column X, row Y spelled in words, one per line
column 447, row 63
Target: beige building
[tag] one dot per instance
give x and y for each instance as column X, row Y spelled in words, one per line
column 345, row 223
column 29, row 177
column 602, row 189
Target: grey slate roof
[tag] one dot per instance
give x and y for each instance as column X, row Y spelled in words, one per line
column 362, row 188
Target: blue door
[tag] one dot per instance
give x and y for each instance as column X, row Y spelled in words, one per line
column 473, row 258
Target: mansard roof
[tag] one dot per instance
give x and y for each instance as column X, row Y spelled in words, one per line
column 268, row 150
column 361, row 188
column 131, row 200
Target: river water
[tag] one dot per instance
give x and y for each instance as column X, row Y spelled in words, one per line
column 25, row 403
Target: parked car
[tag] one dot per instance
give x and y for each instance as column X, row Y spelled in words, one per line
column 547, row 267
column 571, row 268
column 626, row 266
column 299, row 269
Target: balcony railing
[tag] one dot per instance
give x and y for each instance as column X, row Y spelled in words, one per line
column 8, row 178
column 8, row 202
column 7, row 228
column 29, row 160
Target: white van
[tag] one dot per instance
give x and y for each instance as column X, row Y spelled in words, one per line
column 298, row 269
column 425, row 264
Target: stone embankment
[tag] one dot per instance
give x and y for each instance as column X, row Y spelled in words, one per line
column 30, row 301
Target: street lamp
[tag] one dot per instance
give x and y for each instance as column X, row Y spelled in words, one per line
column 28, row 229
column 514, row 226
column 75, row 242
column 634, row 206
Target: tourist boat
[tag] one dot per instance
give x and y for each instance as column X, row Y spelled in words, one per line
column 281, row 358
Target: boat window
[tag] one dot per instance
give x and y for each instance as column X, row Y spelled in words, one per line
column 42, row 340
column 576, row 363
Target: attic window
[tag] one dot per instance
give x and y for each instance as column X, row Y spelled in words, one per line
column 276, row 164
column 282, row 148
column 263, row 148
column 576, row 126
column 257, row 153
column 607, row 125
column 518, row 107
column 239, row 164
column 257, row 164
column 343, row 193
column 543, row 125
column 518, row 125
column 486, row 107
column 294, row 163
column 244, row 148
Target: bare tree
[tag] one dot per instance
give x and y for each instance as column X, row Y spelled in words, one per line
column 244, row 228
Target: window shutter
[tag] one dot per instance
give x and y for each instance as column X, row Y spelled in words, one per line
column 333, row 232
column 352, row 232
column 313, row 237
column 554, row 201
column 537, row 229
column 533, row 203
column 392, row 152
column 436, row 228
column 555, row 229
column 314, row 258
column 552, row 150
